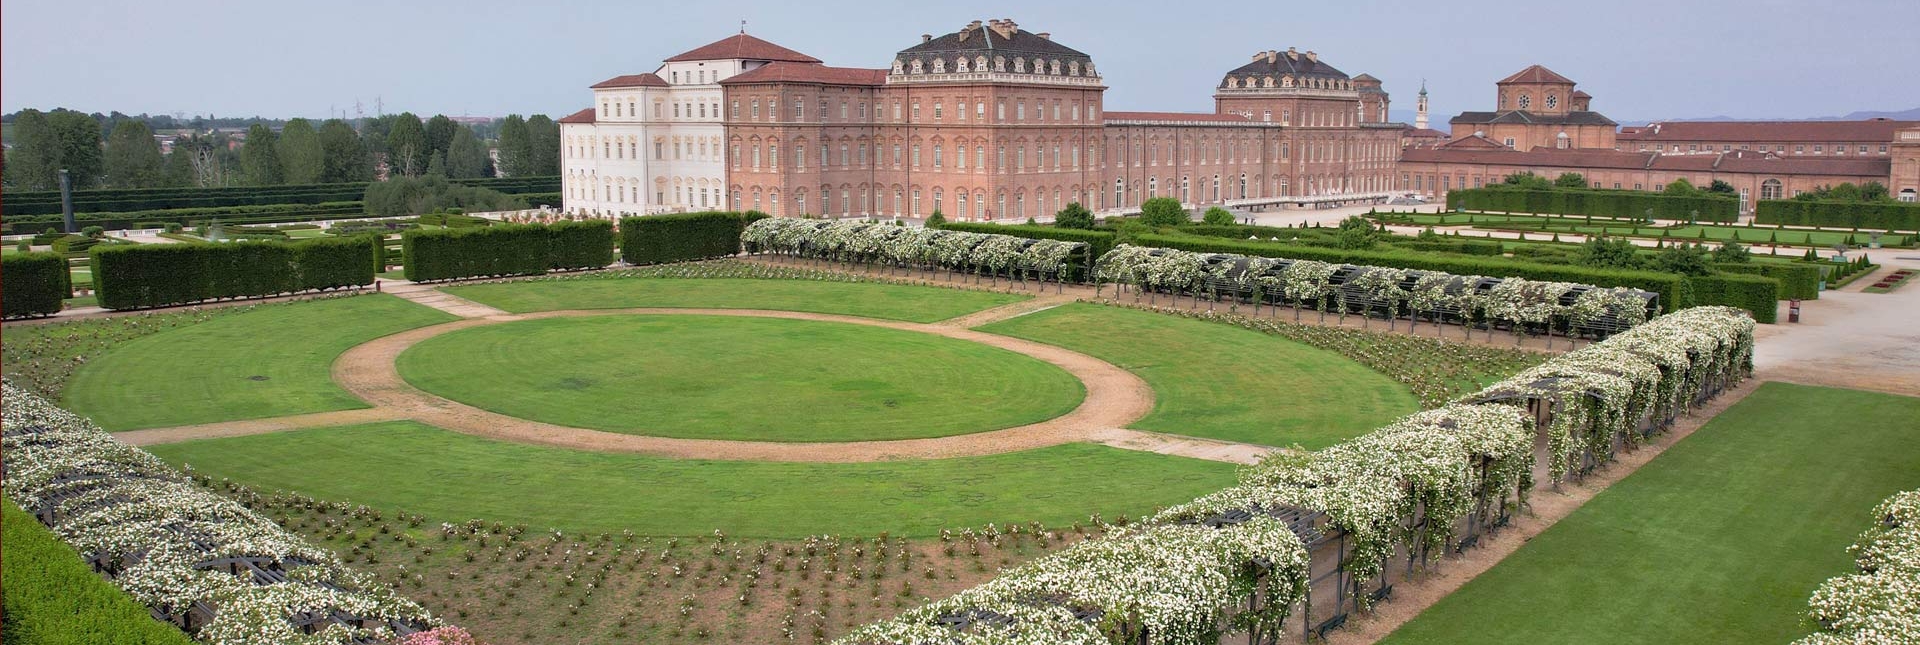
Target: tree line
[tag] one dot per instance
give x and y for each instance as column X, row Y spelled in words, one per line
column 123, row 153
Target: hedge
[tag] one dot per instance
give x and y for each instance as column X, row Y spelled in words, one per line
column 1892, row 216
column 35, row 284
column 1797, row 281
column 656, row 239
column 1449, row 244
column 115, row 220
column 157, row 275
column 1609, row 203
column 505, row 250
column 1760, row 295
column 54, row 598
column 1098, row 242
column 1673, row 290
column 137, row 199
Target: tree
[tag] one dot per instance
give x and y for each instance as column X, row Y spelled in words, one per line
column 260, row 157
column 1217, row 216
column 1526, row 180
column 1845, row 191
column 467, row 156
column 343, row 156
column 1731, row 251
column 936, row 219
column 407, row 146
column 1604, row 252
column 1163, row 211
column 439, row 134
column 1721, row 187
column 414, row 196
column 79, row 136
column 543, row 146
column 301, row 157
column 178, row 172
column 1570, row 180
column 132, row 157
column 1874, row 191
column 513, row 146
column 1073, row 216
column 1684, row 259
column 34, row 159
column 1356, row 233
column 1680, row 187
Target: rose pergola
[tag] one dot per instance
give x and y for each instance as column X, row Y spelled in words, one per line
column 204, row 562
column 1880, row 603
column 914, row 247
column 1343, row 521
column 1515, row 303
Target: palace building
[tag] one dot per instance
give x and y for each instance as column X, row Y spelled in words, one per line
column 990, row 121
column 1546, row 127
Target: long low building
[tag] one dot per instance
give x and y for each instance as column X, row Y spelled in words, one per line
column 990, row 121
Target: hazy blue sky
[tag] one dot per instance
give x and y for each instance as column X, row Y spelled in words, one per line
column 1639, row 58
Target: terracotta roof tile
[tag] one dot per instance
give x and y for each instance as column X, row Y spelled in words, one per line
column 1535, row 74
column 631, row 80
column 808, row 73
column 742, row 46
column 1112, row 115
column 583, row 116
column 1871, row 131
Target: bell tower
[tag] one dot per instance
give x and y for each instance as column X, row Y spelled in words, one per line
column 1420, row 107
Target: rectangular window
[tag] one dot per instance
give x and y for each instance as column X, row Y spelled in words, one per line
column 799, row 110
column 936, row 111
column 1000, row 112
column 916, row 112
column 734, row 109
column 1020, row 111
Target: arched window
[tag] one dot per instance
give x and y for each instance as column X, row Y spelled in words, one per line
column 1771, row 189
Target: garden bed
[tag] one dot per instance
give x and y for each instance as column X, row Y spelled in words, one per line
column 1892, row 281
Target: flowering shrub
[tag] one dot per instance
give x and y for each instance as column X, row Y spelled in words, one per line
column 1881, row 603
column 853, row 241
column 1174, row 579
column 167, row 541
column 1515, row 301
column 439, row 636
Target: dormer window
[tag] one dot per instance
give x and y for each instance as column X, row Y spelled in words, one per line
column 979, row 63
column 898, row 67
column 939, row 65
column 916, row 66
column 1019, row 65
column 1073, row 68
column 1233, row 82
column 999, row 64
column 960, row 65
column 1054, row 68
column 1268, row 81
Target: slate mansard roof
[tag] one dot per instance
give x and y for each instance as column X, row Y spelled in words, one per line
column 1287, row 70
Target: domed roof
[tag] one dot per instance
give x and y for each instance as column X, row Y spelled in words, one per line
column 1001, row 45
column 1291, row 69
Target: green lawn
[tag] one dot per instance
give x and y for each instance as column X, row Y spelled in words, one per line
column 720, row 377
column 1718, row 540
column 872, row 300
column 450, row 476
column 269, row 362
column 1223, row 382
column 53, row 597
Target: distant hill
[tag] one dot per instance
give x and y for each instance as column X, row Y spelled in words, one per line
column 1862, row 115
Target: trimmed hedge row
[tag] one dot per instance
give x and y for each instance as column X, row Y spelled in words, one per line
column 1098, row 242
column 1892, row 216
column 1613, row 203
column 35, row 284
column 114, row 221
column 1673, row 290
column 657, row 239
column 1797, row 281
column 1757, row 294
column 136, row 199
column 506, row 250
column 134, row 276
column 1460, row 245
column 54, row 598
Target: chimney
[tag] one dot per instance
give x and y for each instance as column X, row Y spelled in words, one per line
column 1312, row 56
column 1293, row 54
column 925, row 38
column 1272, row 57
column 1045, row 35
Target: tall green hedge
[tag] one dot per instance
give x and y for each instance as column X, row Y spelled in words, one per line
column 138, row 199
column 134, row 276
column 1672, row 288
column 1892, row 216
column 1098, row 242
column 1757, row 294
column 505, row 250
column 656, row 239
column 54, row 598
column 1612, row 203
column 1797, row 281
column 33, row 284
column 118, row 220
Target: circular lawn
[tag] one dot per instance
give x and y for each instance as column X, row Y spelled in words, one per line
column 736, row 378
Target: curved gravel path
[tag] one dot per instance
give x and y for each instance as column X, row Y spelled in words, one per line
column 1114, row 398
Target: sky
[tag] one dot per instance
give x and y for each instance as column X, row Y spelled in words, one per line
column 1640, row 59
